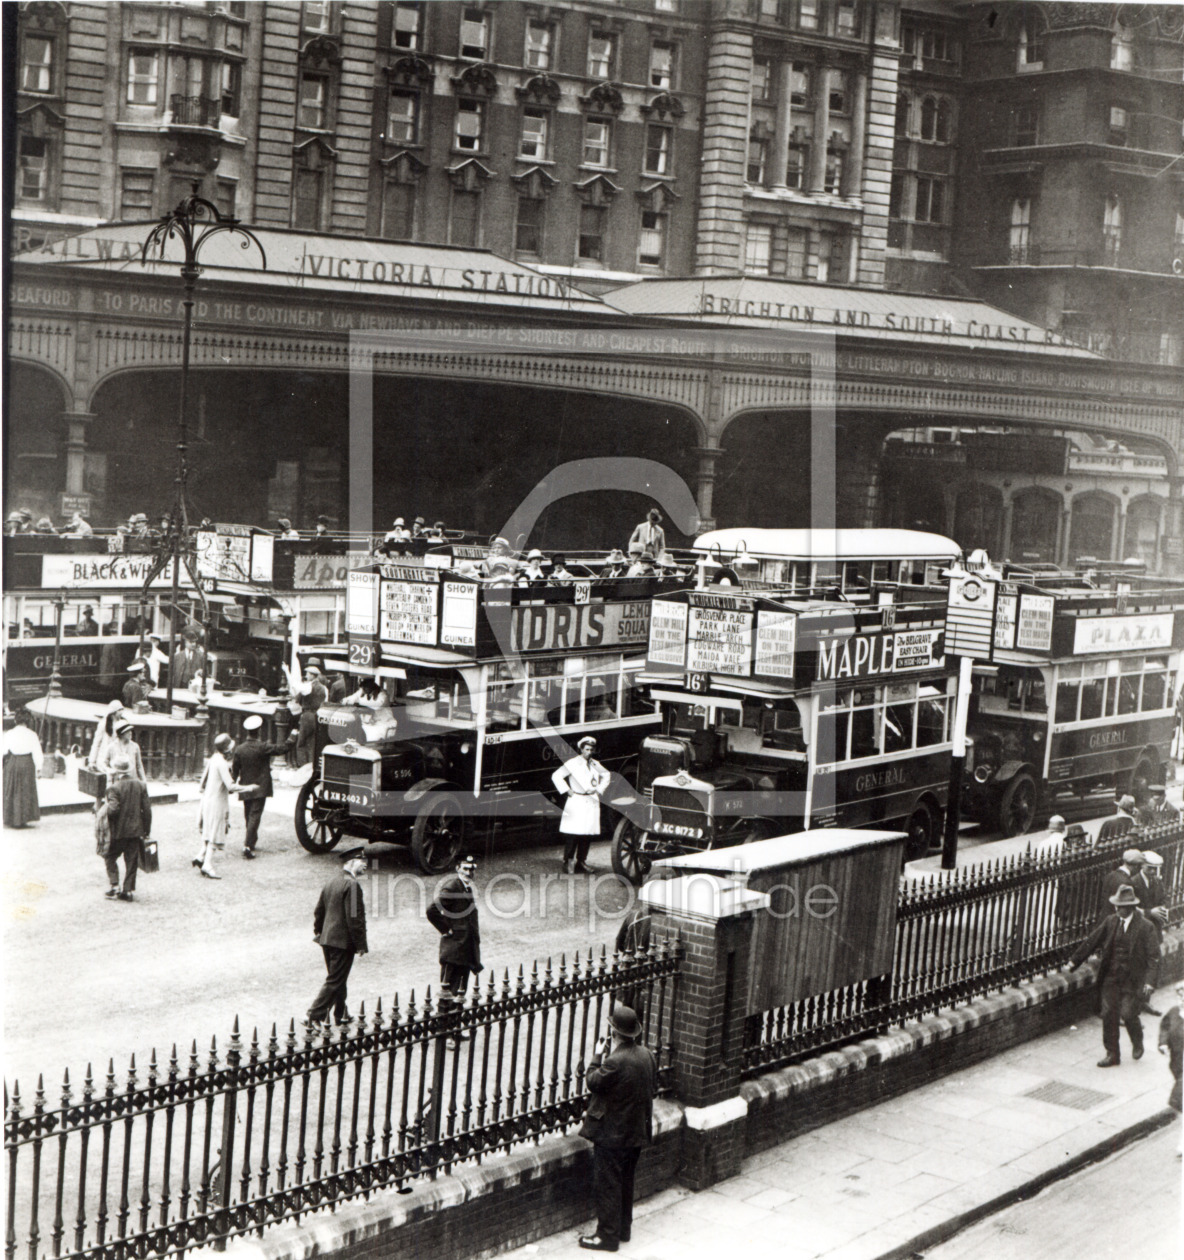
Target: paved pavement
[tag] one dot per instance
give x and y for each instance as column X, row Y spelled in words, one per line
column 894, row 1179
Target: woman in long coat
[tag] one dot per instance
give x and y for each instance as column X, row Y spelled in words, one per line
column 22, row 765
column 583, row 781
column 213, row 817
column 103, row 744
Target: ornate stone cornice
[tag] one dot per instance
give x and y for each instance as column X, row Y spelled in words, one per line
column 658, row 196
column 475, row 80
column 605, row 98
column 314, row 152
column 536, row 182
column 597, row 191
column 39, row 116
column 411, row 71
column 664, row 105
column 403, row 167
column 321, row 50
column 470, row 176
column 541, row 88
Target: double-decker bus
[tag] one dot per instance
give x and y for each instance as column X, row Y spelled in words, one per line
column 1078, row 697
column 484, row 689
column 781, row 714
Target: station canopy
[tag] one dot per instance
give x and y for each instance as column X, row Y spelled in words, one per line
column 302, row 262
column 900, row 318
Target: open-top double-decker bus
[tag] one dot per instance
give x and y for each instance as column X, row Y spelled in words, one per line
column 484, row 690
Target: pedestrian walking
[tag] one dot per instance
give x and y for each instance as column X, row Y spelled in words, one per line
column 1171, row 1043
column 1128, row 957
column 251, row 770
column 622, row 1080
column 1125, row 873
column 583, row 780
column 127, row 748
column 453, row 913
column 22, row 765
column 213, row 813
column 339, row 928
column 129, row 817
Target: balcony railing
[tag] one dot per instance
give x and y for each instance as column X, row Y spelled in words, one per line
column 195, row 111
column 1105, row 255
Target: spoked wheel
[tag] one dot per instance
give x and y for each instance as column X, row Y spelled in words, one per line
column 634, row 850
column 1017, row 806
column 318, row 828
column 438, row 834
column 922, row 831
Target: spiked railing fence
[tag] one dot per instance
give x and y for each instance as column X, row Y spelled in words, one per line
column 961, row 934
column 204, row 1148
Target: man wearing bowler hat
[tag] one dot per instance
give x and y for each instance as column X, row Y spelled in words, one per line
column 1128, row 958
column 619, row 1122
column 339, row 928
column 251, row 766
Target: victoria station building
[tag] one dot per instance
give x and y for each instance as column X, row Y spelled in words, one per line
column 854, row 260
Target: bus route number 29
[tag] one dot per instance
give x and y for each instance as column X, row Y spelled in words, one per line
column 363, row 654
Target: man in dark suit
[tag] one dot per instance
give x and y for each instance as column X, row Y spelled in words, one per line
column 136, row 689
column 129, row 816
column 619, row 1122
column 252, row 764
column 189, row 659
column 453, row 913
column 339, row 928
column 1126, row 873
column 1128, row 958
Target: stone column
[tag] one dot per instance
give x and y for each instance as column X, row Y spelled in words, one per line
column 1062, row 556
column 853, row 175
column 1118, row 553
column 76, row 426
column 705, row 484
column 782, row 126
column 1173, row 529
column 1008, row 515
column 712, row 919
column 817, row 173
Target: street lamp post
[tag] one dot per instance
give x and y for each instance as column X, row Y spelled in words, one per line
column 191, row 223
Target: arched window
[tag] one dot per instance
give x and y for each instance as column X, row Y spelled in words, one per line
column 945, row 121
column 1019, row 242
column 1141, row 540
column 928, row 118
column 1122, row 48
column 902, row 114
column 1091, row 526
column 1112, row 227
column 1034, row 516
column 1031, row 41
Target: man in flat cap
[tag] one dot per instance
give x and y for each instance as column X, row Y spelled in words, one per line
column 339, row 928
column 1128, row 958
column 251, row 767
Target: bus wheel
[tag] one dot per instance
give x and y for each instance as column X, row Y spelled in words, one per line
column 317, row 828
column 438, row 833
column 922, row 832
column 1017, row 805
column 633, row 852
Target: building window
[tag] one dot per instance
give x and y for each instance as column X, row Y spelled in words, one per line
column 1019, row 240
column 314, row 16
column 758, row 248
column 931, row 195
column 135, row 194
column 838, row 91
column 1027, row 120
column 902, row 114
column 1122, row 48
column 602, row 55
column 762, row 79
column 662, row 64
column 592, row 228
column 799, row 84
column 834, row 173
column 470, row 120
column 1119, row 123
column 474, row 34
column 310, row 113
column 827, row 247
column 1179, row 241
column 658, row 146
column 232, row 81
column 402, row 119
column 306, row 199
column 225, row 192
column 1031, row 46
column 407, row 30
column 808, row 14
column 847, row 19
column 143, row 74
column 651, row 244
column 796, row 241
column 464, row 222
column 758, row 152
column 896, row 196
column 666, row 6
column 528, row 228
column 771, row 9
column 36, row 64
column 597, row 141
column 945, row 121
column 799, row 160
column 398, row 211
column 1112, row 228
column 534, row 134
column 540, row 36
column 32, row 168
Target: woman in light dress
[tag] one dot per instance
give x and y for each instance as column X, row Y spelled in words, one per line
column 582, row 780
column 124, row 746
column 213, row 815
column 103, row 744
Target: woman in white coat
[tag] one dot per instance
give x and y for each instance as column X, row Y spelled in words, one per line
column 582, row 780
column 213, row 816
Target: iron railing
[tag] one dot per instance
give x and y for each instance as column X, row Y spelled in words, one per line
column 961, row 934
column 195, row 111
column 194, row 1152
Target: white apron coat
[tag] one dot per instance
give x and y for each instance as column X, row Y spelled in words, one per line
column 583, row 782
